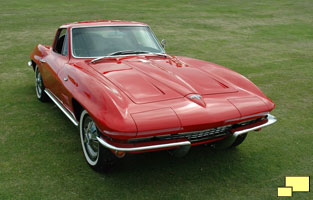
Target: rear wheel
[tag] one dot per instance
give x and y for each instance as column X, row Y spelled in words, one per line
column 239, row 140
column 180, row 151
column 230, row 142
column 96, row 155
column 40, row 88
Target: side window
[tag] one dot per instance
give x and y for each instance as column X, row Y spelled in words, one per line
column 60, row 45
column 65, row 46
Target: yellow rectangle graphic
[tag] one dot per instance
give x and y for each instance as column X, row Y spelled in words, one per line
column 284, row 191
column 298, row 183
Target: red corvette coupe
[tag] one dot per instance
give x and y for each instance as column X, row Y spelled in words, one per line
column 114, row 80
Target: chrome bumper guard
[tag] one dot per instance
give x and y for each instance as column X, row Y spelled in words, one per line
column 271, row 120
column 144, row 148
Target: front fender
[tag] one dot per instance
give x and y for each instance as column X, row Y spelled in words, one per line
column 106, row 104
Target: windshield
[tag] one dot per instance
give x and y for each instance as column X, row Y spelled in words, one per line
column 106, row 40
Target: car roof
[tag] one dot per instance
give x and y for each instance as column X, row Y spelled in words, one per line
column 102, row 23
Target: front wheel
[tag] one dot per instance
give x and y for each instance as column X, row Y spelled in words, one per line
column 96, row 155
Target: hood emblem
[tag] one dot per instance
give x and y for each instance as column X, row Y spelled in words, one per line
column 195, row 96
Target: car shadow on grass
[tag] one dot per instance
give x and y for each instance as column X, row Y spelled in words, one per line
column 200, row 160
column 201, row 169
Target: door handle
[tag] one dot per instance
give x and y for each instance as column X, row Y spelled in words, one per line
column 42, row 60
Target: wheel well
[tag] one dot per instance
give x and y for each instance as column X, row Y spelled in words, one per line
column 78, row 109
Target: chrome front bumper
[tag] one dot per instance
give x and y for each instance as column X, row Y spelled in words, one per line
column 143, row 148
column 271, row 120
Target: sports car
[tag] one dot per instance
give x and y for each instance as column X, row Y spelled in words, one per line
column 116, row 83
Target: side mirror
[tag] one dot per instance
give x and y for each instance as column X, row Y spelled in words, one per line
column 163, row 43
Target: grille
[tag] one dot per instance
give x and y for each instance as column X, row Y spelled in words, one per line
column 196, row 136
column 199, row 135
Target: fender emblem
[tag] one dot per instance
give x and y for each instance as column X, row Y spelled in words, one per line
column 195, row 96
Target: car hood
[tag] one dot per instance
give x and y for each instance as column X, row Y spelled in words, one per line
column 147, row 79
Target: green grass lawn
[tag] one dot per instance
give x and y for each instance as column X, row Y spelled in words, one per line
column 270, row 42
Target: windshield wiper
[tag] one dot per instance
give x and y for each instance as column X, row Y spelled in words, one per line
column 134, row 52
column 125, row 53
column 128, row 52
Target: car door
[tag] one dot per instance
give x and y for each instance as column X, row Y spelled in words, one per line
column 55, row 61
column 62, row 92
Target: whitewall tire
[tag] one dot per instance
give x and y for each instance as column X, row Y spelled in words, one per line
column 95, row 154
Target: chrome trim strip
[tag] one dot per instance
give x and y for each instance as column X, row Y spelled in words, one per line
column 271, row 120
column 151, row 147
column 67, row 113
column 122, row 25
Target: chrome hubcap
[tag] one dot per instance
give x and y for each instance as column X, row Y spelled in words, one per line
column 89, row 138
